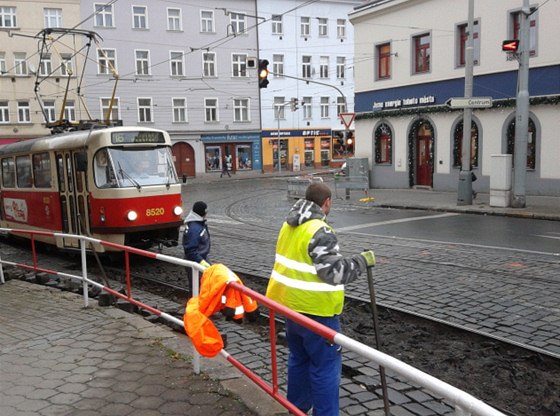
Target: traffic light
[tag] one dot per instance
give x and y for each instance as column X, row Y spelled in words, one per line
column 510, row 45
column 263, row 73
column 294, row 103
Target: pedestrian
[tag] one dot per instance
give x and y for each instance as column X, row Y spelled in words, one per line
column 196, row 238
column 308, row 276
column 226, row 166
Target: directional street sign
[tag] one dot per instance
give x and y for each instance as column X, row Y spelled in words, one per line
column 473, row 102
column 347, row 118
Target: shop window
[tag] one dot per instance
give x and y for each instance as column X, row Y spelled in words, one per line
column 42, row 170
column 325, row 152
column 458, row 145
column 531, row 143
column 383, row 144
column 213, row 158
column 244, row 157
column 309, row 157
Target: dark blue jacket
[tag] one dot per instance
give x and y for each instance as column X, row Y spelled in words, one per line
column 196, row 238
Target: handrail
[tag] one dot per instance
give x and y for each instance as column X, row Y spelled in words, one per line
column 465, row 404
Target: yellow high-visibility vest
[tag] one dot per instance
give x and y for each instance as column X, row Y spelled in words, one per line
column 294, row 282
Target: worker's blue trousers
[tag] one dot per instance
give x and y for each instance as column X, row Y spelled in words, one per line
column 314, row 367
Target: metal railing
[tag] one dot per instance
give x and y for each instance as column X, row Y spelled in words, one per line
column 464, row 403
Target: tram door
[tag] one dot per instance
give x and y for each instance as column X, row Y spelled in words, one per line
column 73, row 195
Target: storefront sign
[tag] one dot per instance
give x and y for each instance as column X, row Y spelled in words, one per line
column 249, row 137
column 297, row 133
column 404, row 102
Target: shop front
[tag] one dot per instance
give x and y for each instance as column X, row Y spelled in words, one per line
column 296, row 149
column 244, row 149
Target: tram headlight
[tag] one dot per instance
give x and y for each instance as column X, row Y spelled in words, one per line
column 177, row 210
column 131, row 215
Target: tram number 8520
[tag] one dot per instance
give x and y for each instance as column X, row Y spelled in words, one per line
column 154, row 212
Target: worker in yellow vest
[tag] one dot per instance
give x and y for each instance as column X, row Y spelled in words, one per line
column 308, row 276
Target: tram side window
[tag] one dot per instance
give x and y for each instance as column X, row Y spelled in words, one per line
column 8, row 173
column 23, row 170
column 42, row 170
column 104, row 174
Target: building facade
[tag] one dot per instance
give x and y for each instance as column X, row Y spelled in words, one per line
column 309, row 49
column 183, row 67
column 407, row 69
column 35, row 68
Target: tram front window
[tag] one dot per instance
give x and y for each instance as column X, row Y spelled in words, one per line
column 133, row 167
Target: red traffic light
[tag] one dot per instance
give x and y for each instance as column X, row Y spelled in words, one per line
column 510, row 45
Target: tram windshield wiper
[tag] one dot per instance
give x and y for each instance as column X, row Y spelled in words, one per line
column 125, row 175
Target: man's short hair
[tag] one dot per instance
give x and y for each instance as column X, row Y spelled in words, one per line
column 317, row 192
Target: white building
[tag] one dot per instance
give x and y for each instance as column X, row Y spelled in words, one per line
column 410, row 59
column 182, row 67
column 309, row 47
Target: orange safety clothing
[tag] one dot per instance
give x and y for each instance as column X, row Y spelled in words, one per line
column 215, row 295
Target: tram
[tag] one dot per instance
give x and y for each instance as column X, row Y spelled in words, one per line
column 116, row 184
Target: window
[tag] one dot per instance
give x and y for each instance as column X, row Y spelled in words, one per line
column 340, row 67
column 341, row 105
column 70, row 111
column 458, row 145
column 8, row 173
column 145, row 110
column 305, row 27
column 45, row 65
column 341, row 28
column 324, row 107
column 211, row 110
column 103, row 15
column 421, row 47
column 3, row 63
column 48, row 108
column 531, row 143
column 114, row 114
column 278, row 65
column 306, row 66
column 106, row 61
column 239, row 65
column 323, row 26
column 462, row 37
column 24, row 113
column 209, row 64
column 53, row 17
column 383, row 144
column 179, row 110
column 279, row 108
column 7, row 17
column 4, row 112
column 42, row 170
column 207, row 21
column 240, row 109
column 174, row 20
column 23, row 169
column 237, row 22
column 383, row 55
column 307, row 113
column 139, row 17
column 176, row 63
column 20, row 63
column 142, row 62
column 66, row 66
column 324, row 67
column 515, row 27
column 276, row 24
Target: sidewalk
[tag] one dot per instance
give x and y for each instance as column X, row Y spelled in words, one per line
column 537, row 207
column 57, row 358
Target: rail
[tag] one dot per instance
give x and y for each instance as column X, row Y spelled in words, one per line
column 464, row 403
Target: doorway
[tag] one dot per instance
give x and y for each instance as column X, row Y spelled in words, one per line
column 421, row 154
column 183, row 157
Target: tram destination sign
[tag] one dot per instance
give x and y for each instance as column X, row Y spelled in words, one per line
column 142, row 136
column 472, row 102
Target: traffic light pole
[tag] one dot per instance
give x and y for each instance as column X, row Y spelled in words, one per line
column 522, row 111
column 464, row 193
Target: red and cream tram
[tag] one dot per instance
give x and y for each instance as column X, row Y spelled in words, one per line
column 116, row 184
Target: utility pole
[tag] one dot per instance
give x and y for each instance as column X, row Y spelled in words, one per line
column 464, row 194
column 522, row 110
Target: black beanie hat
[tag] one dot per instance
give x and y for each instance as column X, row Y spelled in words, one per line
column 199, row 207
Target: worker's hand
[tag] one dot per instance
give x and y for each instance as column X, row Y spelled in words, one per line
column 204, row 263
column 369, row 257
